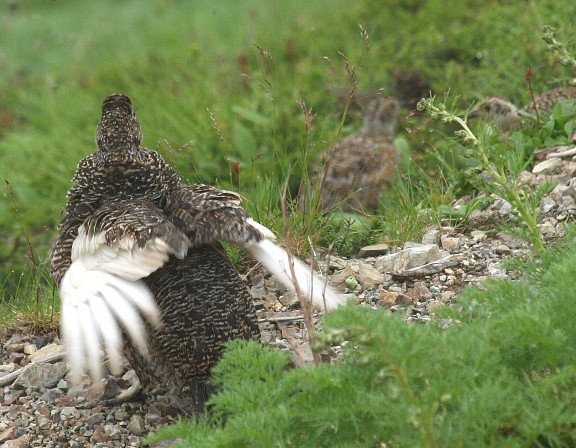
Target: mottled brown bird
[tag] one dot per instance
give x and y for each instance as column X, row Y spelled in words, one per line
column 508, row 117
column 357, row 169
column 502, row 112
column 139, row 253
column 546, row 101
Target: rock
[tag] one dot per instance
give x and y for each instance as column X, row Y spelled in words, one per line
column 7, row 368
column 94, row 419
column 43, row 422
column 570, row 170
column 337, row 262
column 341, row 277
column 388, row 298
column 121, row 415
column 504, row 207
column 526, row 178
column 557, row 193
column 496, row 270
column 151, row 419
column 112, row 430
column 409, row 258
column 374, row 250
column 369, row 277
column 41, row 375
column 100, row 436
column 547, row 204
column 547, row 229
column 548, row 167
column 136, row 425
column 69, row 412
column 29, row 349
column 392, row 298
column 502, row 249
column 450, row 244
column 20, row 442
column 51, row 395
column 478, row 235
column 511, row 241
column 15, row 343
column 10, row 433
column 419, row 292
column 432, row 236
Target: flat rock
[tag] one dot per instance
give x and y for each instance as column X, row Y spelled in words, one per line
column 374, row 250
column 409, row 258
column 369, row 277
column 548, row 167
column 41, row 375
column 47, row 351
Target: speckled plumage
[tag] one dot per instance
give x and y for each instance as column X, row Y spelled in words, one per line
column 356, row 170
column 137, row 243
column 124, row 189
column 546, row 101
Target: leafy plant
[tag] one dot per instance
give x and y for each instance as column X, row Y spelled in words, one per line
column 499, row 171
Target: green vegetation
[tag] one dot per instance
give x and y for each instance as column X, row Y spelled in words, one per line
column 237, row 94
column 497, row 372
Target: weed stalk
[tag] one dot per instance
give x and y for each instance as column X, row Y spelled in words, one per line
column 529, row 217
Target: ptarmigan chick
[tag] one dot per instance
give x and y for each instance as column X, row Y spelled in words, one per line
column 356, row 170
column 139, row 254
column 508, row 117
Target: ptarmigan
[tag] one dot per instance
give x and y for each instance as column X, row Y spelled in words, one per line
column 508, row 117
column 356, row 170
column 139, row 253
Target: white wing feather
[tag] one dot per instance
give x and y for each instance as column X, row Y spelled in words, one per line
column 101, row 293
column 277, row 261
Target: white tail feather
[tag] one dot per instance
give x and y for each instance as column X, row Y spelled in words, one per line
column 277, row 261
column 95, row 305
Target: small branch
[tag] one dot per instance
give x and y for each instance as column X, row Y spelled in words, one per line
column 285, row 318
column 305, row 304
column 566, row 153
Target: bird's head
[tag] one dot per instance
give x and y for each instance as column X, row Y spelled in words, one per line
column 380, row 115
column 501, row 111
column 118, row 128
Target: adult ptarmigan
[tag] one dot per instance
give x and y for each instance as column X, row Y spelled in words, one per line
column 139, row 253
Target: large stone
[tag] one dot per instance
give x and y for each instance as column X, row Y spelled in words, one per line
column 20, row 442
column 47, row 351
column 41, row 375
column 450, row 243
column 548, row 167
column 136, row 425
column 374, row 250
column 432, row 236
column 410, row 258
column 369, row 277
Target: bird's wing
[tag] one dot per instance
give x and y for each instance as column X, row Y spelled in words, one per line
column 101, row 291
column 208, row 215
